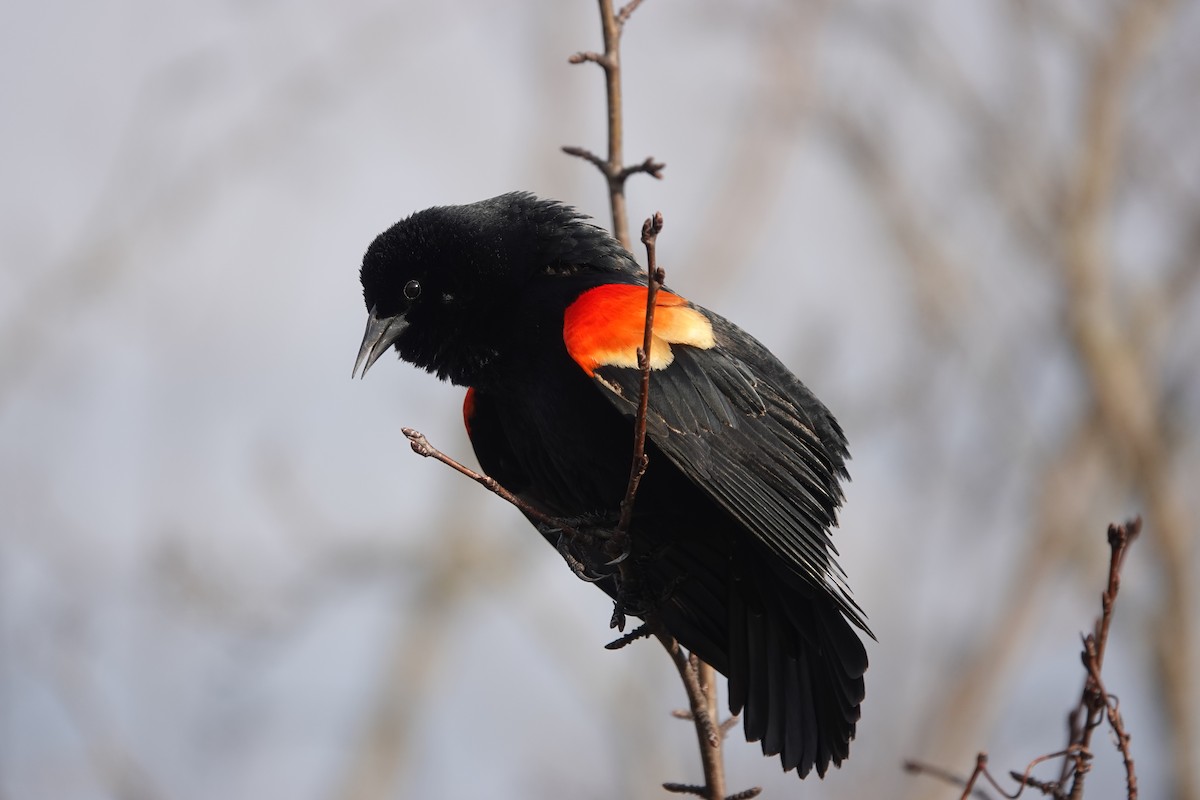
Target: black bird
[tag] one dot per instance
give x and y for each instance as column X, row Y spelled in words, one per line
column 540, row 314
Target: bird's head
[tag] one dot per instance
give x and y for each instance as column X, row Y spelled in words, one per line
column 439, row 284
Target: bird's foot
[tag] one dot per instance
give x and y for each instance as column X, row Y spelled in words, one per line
column 582, row 570
column 589, row 544
column 618, row 546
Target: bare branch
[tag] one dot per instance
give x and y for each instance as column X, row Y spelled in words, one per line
column 697, row 680
column 914, row 767
column 649, row 166
column 1123, row 387
column 423, row 448
column 586, row 155
column 613, row 168
column 1095, row 703
column 745, row 794
column 656, row 277
column 626, row 12
column 585, row 57
column 1094, row 706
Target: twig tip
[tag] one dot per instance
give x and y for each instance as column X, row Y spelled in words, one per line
column 745, row 794
column 652, row 227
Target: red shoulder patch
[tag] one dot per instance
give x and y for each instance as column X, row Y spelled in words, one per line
column 469, row 408
column 605, row 326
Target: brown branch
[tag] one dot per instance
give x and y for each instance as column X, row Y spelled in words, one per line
column 587, row 155
column 613, row 168
column 649, row 166
column 423, row 448
column 1050, row 788
column 1095, row 703
column 914, row 767
column 981, row 761
column 650, row 230
column 1118, row 725
column 697, row 680
column 745, row 794
column 1108, row 703
column 1124, row 387
column 1023, row 779
column 626, row 12
column 1053, row 788
column 586, row 57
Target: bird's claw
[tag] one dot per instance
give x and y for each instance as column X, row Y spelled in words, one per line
column 577, row 566
column 624, row 555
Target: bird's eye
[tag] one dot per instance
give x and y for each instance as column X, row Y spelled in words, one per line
column 412, row 290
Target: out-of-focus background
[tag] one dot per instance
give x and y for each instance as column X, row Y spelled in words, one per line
column 972, row 228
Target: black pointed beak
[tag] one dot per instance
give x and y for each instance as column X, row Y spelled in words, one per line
column 381, row 334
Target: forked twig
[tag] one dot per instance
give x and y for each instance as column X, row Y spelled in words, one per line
column 613, row 168
column 626, row 12
column 946, row 776
column 1094, row 706
column 698, row 682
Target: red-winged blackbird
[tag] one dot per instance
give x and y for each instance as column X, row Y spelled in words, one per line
column 540, row 314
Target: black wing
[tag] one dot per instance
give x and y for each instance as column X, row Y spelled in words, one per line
column 741, row 426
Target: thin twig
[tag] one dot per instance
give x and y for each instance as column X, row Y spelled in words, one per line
column 1045, row 787
column 614, row 170
column 626, row 12
column 1095, row 703
column 586, row 155
column 1023, row 779
column 650, row 230
column 708, row 735
column 981, row 761
column 745, row 794
column 422, row 447
column 698, row 677
column 946, row 776
column 1121, row 378
column 1094, row 706
column 1118, row 725
column 649, row 166
column 1050, row 788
